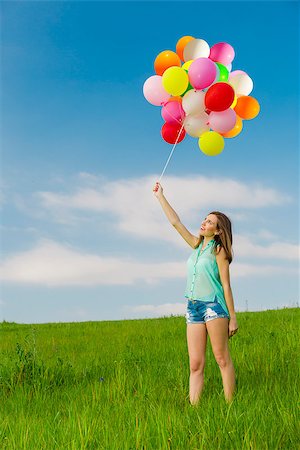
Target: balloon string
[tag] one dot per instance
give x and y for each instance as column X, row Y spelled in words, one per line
column 173, row 117
column 171, row 153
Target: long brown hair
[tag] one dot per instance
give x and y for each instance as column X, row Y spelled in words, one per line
column 224, row 239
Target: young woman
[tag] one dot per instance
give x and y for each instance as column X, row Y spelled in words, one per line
column 210, row 306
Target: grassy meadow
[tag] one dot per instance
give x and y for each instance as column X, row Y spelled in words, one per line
column 124, row 385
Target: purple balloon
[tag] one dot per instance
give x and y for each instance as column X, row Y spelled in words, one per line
column 222, row 121
column 202, row 73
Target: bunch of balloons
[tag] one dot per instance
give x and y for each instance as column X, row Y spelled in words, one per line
column 200, row 95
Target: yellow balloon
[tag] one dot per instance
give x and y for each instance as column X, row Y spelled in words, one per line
column 234, row 102
column 187, row 64
column 211, row 143
column 175, row 80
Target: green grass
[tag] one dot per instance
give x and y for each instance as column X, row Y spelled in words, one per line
column 124, row 385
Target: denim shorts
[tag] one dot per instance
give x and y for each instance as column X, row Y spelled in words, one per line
column 198, row 311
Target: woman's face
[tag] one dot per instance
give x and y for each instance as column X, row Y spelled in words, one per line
column 209, row 226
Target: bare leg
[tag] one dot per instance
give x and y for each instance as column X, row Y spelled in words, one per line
column 218, row 334
column 196, row 339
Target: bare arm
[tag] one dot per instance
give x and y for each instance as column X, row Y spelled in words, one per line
column 174, row 218
column 223, row 266
column 168, row 210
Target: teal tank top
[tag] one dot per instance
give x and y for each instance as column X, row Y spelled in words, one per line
column 203, row 277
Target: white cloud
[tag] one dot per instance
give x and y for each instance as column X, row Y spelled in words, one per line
column 244, row 247
column 130, row 196
column 166, row 309
column 53, row 264
column 261, row 270
column 130, row 207
column 137, row 212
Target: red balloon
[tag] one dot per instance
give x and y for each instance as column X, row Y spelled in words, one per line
column 219, row 97
column 170, row 132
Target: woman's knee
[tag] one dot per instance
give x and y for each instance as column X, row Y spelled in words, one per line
column 197, row 365
column 222, row 359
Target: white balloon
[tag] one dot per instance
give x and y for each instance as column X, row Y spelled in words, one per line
column 241, row 83
column 229, row 67
column 193, row 102
column 197, row 48
column 196, row 125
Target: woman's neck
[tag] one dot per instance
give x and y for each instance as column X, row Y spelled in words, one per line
column 206, row 240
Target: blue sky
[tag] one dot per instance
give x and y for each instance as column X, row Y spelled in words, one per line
column 82, row 236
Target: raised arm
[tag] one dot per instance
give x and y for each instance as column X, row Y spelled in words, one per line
column 173, row 217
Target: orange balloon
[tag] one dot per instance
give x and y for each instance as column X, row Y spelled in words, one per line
column 235, row 130
column 181, row 44
column 164, row 60
column 175, row 99
column 247, row 107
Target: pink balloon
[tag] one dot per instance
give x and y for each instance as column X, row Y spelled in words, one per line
column 222, row 53
column 172, row 112
column 202, row 73
column 222, row 121
column 154, row 91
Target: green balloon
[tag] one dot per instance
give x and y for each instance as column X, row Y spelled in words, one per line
column 224, row 73
column 188, row 88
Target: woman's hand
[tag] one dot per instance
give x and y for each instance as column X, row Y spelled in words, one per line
column 233, row 326
column 157, row 189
